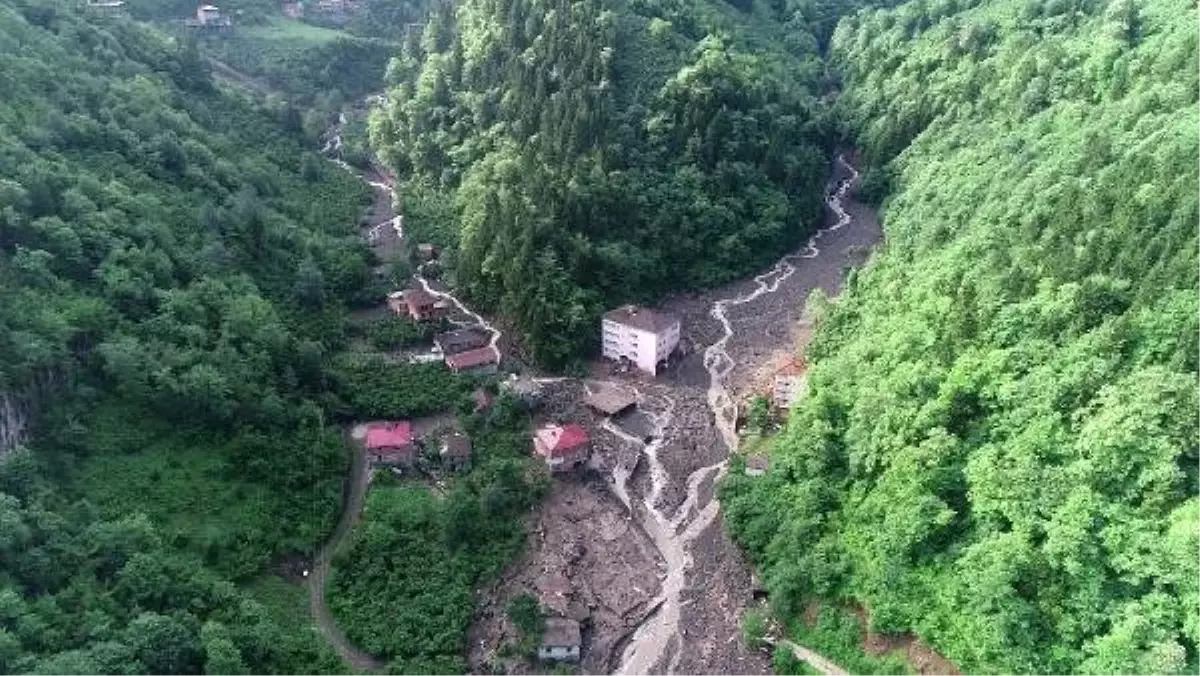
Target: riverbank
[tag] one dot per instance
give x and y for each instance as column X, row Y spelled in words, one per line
column 663, row 589
column 687, row 620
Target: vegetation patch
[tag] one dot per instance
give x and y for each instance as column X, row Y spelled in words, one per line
column 403, row 587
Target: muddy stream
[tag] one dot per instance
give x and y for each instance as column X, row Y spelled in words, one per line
column 661, row 642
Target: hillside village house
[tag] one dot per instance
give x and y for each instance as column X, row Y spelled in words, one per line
column 560, row 640
column 461, row 340
column 563, row 447
column 418, row 304
column 209, row 16
column 789, row 383
column 482, row 360
column 643, row 336
column 456, row 452
column 391, row 444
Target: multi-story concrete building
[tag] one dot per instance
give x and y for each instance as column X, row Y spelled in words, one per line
column 789, row 382
column 644, row 337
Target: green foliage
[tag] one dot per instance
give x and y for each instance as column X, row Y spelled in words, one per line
column 754, row 628
column 758, row 418
column 998, row 451
column 368, row 387
column 319, row 68
column 88, row 594
column 174, row 267
column 838, row 635
column 402, row 588
column 528, row 618
column 580, row 155
column 394, row 332
column 784, row 661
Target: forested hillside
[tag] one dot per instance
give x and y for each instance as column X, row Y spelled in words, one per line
column 581, row 154
column 998, row 450
column 174, row 267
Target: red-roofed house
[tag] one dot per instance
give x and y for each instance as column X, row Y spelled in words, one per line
column 789, row 382
column 482, row 360
column 391, row 443
column 564, row 447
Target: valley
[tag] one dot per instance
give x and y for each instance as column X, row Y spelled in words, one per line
column 663, row 588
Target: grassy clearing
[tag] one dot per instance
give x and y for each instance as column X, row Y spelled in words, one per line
column 280, row 28
column 200, row 493
column 285, row 601
column 838, row 635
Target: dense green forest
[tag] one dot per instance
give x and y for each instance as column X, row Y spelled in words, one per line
column 403, row 588
column 581, row 154
column 174, row 268
column 998, row 450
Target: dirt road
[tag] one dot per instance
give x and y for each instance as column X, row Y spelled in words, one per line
column 355, row 493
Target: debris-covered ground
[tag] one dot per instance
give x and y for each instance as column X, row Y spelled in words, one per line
column 638, row 535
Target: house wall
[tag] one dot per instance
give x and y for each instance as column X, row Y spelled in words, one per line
column 559, row 653
column 788, row 390
column 481, row 369
column 644, row 348
column 565, row 462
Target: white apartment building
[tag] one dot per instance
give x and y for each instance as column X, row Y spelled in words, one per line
column 789, row 382
column 644, row 337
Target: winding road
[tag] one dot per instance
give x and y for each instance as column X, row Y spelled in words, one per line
column 356, row 491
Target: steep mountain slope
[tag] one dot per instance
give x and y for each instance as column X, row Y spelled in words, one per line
column 173, row 267
column 582, row 154
column 998, row 450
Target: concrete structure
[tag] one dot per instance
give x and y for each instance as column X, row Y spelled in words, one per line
column 610, row 401
column 560, row 641
column 427, row 251
column 757, row 464
column 482, row 360
column 418, row 305
column 209, row 16
column 470, row 338
column 456, row 452
column 106, row 7
column 789, row 383
column 563, row 447
column 644, row 337
column 391, row 444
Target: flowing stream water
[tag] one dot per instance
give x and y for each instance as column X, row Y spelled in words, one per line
column 674, row 536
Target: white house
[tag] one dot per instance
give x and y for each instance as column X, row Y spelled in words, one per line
column 789, row 382
column 644, row 337
column 560, row 641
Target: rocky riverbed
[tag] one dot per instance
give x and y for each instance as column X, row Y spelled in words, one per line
column 634, row 547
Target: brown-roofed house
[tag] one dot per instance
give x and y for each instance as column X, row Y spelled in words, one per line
column 461, row 340
column 456, row 452
column 561, row 640
column 643, row 336
column 610, row 401
column 482, row 360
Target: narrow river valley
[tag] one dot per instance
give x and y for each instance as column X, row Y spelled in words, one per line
column 683, row 584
